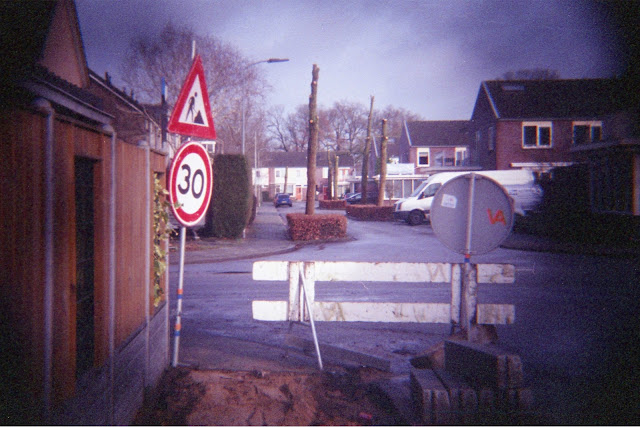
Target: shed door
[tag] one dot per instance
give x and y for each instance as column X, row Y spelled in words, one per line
column 84, row 264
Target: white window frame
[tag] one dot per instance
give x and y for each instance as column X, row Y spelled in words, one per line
column 591, row 124
column 538, row 126
column 421, row 151
column 461, row 155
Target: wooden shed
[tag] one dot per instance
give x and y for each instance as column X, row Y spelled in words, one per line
column 81, row 336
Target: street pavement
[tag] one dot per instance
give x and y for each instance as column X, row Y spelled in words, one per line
column 569, row 347
column 267, row 235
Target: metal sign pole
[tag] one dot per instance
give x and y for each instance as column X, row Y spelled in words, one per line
column 176, row 342
column 468, row 282
column 313, row 326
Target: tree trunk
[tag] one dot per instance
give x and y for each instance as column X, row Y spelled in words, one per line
column 286, row 178
column 313, row 143
column 365, row 156
column 383, row 163
column 336, row 160
column 329, row 176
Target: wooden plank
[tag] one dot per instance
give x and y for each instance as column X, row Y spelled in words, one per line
column 271, row 270
column 334, row 311
column 383, row 272
column 270, row 311
column 328, row 311
column 496, row 314
column 410, row 272
column 382, row 312
column 339, row 354
column 496, row 273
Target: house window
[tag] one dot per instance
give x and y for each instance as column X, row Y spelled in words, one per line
column 587, row 132
column 277, row 174
column 423, row 157
column 439, row 158
column 257, row 174
column 536, row 135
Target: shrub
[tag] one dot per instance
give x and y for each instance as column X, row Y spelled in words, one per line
column 332, row 204
column 370, row 212
column 316, row 227
column 231, row 207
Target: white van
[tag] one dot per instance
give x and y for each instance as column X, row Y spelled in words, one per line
column 519, row 183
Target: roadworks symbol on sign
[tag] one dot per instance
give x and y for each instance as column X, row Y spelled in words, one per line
column 192, row 113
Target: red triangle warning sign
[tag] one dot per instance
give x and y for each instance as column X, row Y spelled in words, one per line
column 191, row 115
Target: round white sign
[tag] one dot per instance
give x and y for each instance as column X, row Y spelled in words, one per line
column 190, row 183
column 471, row 214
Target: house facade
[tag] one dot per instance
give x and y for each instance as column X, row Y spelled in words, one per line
column 286, row 172
column 533, row 124
column 425, row 148
column 435, row 146
column 84, row 325
column 544, row 124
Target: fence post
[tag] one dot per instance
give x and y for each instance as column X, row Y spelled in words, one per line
column 456, row 290
column 295, row 297
column 469, row 306
column 309, row 272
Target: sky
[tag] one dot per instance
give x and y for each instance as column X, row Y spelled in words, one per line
column 426, row 56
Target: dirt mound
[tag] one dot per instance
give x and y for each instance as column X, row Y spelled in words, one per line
column 190, row 397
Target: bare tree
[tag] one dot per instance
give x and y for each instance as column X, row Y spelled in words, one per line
column 298, row 128
column 395, row 117
column 277, row 131
column 313, row 142
column 229, row 80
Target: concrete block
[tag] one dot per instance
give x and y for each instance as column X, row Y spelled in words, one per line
column 462, row 398
column 483, row 365
column 486, row 401
column 431, row 397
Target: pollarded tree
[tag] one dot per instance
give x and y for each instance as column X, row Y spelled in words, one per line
column 312, row 149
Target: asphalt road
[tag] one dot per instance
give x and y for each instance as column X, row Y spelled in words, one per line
column 576, row 328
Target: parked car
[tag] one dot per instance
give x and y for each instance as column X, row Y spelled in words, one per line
column 282, row 199
column 372, row 198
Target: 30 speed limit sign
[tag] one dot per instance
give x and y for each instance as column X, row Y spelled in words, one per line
column 190, row 183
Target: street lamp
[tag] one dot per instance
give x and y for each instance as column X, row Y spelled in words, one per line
column 244, row 101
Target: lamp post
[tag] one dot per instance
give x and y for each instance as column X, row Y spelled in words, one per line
column 244, row 100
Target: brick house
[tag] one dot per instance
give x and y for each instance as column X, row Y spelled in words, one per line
column 435, row 146
column 544, row 124
column 533, row 124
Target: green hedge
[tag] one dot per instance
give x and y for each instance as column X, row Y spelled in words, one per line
column 370, row 212
column 316, row 227
column 231, row 208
